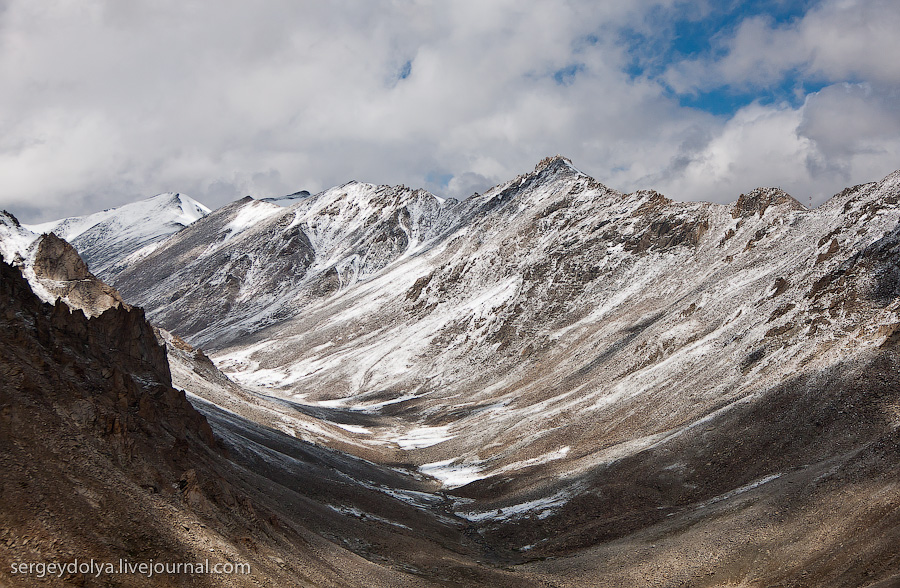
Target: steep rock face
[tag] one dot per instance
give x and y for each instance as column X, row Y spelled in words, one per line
column 121, row 343
column 90, row 430
column 57, row 260
column 60, row 270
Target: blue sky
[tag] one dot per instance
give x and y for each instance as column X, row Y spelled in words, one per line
column 105, row 102
column 690, row 33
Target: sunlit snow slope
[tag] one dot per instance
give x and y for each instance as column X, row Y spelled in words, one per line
column 548, row 317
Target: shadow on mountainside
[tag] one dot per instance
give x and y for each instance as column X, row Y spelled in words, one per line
column 793, row 453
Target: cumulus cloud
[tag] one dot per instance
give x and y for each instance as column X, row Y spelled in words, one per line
column 845, row 132
column 835, row 40
column 106, row 101
column 758, row 146
column 853, row 125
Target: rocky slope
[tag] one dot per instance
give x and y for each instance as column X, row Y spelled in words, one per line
column 104, row 459
column 610, row 389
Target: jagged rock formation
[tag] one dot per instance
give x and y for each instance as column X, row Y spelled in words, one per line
column 60, row 270
column 758, row 200
column 54, row 269
column 121, row 343
column 57, row 260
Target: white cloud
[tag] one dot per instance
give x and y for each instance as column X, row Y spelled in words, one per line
column 856, row 130
column 835, row 40
column 108, row 101
column 758, row 146
column 843, row 134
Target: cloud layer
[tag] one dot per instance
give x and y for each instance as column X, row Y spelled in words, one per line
column 106, row 102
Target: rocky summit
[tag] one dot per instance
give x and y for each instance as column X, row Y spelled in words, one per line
column 552, row 384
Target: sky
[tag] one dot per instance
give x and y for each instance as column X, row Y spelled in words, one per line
column 104, row 102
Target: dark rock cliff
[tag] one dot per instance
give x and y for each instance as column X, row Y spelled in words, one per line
column 113, row 363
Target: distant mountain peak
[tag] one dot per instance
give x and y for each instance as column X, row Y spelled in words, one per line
column 554, row 161
column 105, row 238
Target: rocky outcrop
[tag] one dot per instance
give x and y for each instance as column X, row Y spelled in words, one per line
column 61, row 271
column 115, row 354
column 57, row 260
column 759, row 199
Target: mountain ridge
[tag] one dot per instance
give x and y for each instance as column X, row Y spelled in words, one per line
column 574, row 372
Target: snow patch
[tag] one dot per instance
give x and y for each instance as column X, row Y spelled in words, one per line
column 741, row 490
column 450, row 475
column 354, row 428
column 547, row 457
column 248, row 216
column 423, row 437
column 541, row 508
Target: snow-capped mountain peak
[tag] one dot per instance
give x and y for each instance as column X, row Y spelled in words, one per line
column 104, row 239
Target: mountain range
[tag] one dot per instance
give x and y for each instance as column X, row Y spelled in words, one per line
column 551, row 383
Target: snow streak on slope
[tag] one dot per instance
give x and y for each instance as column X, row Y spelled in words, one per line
column 551, row 299
column 553, row 350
